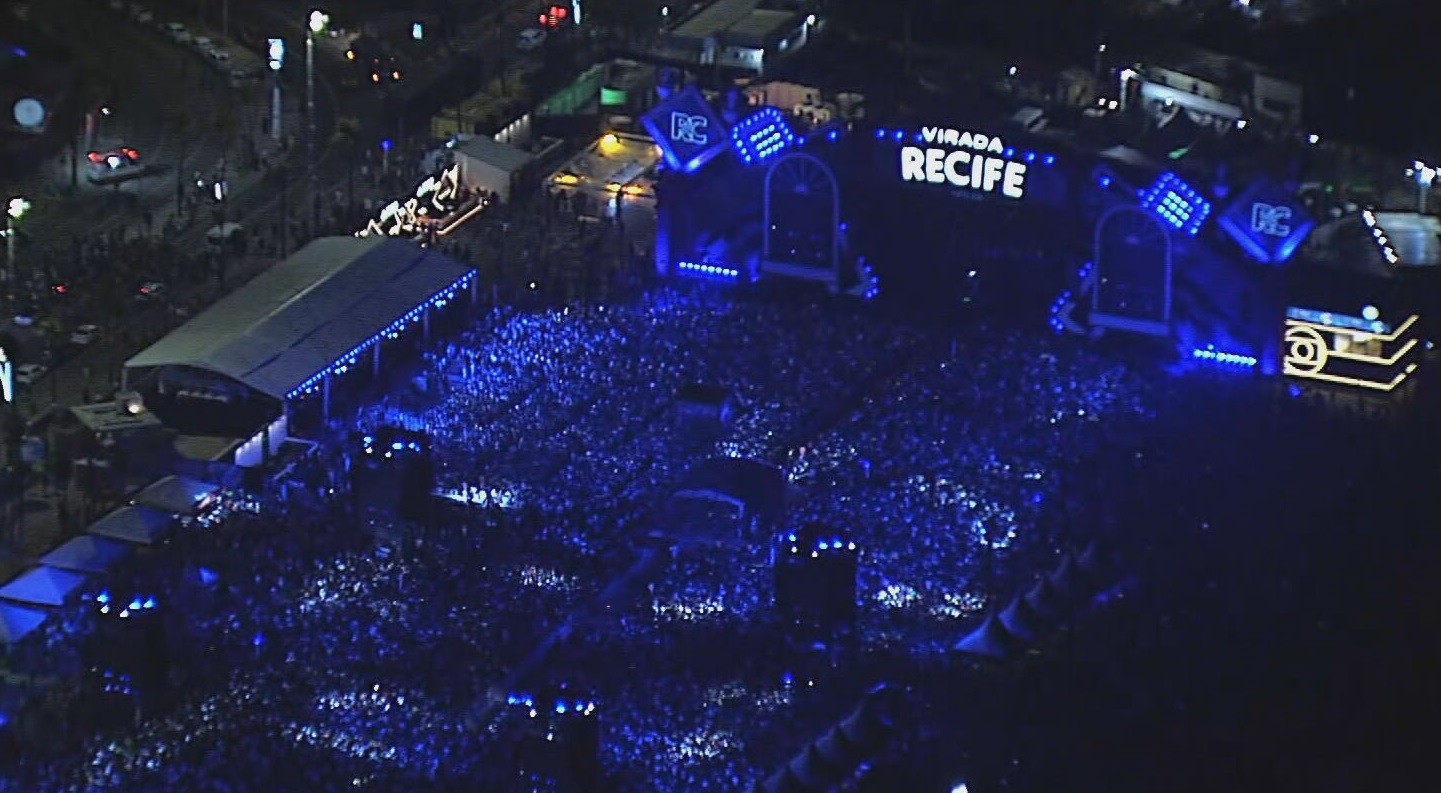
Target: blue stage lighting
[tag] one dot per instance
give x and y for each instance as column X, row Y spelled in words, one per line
column 704, row 270
column 762, row 135
column 1177, row 203
column 1029, row 156
column 880, row 134
column 833, row 135
column 1211, row 355
column 1049, row 159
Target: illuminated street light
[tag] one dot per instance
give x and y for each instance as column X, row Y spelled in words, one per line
column 1424, row 175
column 317, row 24
column 14, row 210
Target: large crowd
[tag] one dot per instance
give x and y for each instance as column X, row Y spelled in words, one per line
column 306, row 651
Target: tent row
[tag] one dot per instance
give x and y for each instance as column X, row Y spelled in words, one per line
column 827, row 762
column 1035, row 614
column 148, row 520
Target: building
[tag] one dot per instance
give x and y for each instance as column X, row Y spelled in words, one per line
column 240, row 368
column 1213, row 89
column 738, row 34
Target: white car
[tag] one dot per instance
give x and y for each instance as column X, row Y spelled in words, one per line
column 85, row 335
column 177, row 33
column 530, row 39
column 29, row 374
column 218, row 55
column 141, row 14
column 202, row 43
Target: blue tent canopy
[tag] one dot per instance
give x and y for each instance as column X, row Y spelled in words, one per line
column 42, row 586
column 139, row 525
column 17, row 621
column 87, row 554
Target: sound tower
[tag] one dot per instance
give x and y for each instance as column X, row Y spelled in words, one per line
column 393, row 473
column 558, row 744
column 815, row 570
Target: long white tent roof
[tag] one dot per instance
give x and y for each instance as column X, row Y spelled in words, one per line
column 307, row 312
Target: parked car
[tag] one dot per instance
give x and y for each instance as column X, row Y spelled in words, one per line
column 85, row 335
column 177, row 33
column 202, row 43
column 530, row 39
column 24, row 318
column 151, row 290
column 141, row 14
column 218, row 55
column 29, row 374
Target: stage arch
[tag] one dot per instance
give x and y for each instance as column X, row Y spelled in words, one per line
column 801, row 236
column 1133, row 259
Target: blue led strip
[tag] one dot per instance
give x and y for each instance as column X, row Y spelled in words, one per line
column 393, row 330
column 1211, row 355
column 762, row 135
column 709, row 270
column 1177, row 203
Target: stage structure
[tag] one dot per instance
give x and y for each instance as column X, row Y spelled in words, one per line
column 1131, row 285
column 773, row 209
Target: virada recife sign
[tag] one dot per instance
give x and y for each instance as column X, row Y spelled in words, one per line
column 959, row 158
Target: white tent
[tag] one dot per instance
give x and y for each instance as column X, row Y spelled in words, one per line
column 138, row 525
column 176, row 495
column 1022, row 621
column 991, row 640
column 17, row 621
column 42, row 586
column 86, row 554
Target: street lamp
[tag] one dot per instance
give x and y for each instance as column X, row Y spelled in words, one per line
column 317, row 24
column 14, row 210
column 1424, row 175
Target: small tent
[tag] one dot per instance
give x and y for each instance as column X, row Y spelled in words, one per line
column 177, row 495
column 18, row 621
column 87, row 554
column 990, row 640
column 1045, row 601
column 1023, row 622
column 138, row 525
column 42, row 586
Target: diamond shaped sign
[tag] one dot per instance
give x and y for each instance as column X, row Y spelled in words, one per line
column 1266, row 223
column 687, row 130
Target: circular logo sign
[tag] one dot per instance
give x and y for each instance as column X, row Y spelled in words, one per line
column 29, row 113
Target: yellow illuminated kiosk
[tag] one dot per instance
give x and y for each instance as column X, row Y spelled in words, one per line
column 1363, row 352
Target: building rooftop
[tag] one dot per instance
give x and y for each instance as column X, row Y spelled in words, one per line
column 1213, row 67
column 716, row 18
column 613, row 159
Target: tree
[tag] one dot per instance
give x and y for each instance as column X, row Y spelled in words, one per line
column 347, row 136
column 629, row 20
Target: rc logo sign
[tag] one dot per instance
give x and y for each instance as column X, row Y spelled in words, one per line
column 1266, row 222
column 1271, row 220
column 687, row 128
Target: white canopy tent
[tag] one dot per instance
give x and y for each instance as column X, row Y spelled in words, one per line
column 137, row 525
column 176, row 495
column 87, row 554
column 42, row 586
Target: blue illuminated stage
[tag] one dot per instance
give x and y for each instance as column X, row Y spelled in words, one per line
column 1002, row 220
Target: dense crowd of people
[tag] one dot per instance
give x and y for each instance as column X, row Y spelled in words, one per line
column 302, row 647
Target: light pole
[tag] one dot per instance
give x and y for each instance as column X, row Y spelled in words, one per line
column 275, row 59
column 1424, row 175
column 14, row 210
column 317, row 23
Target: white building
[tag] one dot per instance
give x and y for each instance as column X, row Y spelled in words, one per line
column 737, row 34
column 1213, row 89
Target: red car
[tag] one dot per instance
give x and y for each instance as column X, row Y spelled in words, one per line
column 115, row 158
